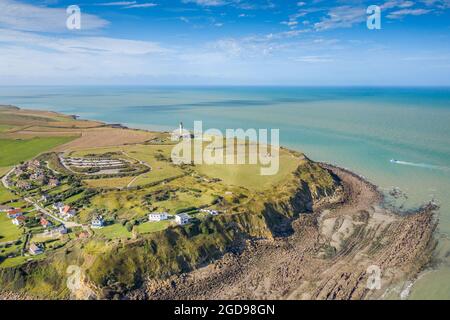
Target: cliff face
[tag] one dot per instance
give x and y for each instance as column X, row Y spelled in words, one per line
column 125, row 266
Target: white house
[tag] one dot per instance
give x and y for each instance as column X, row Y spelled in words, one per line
column 156, row 216
column 211, row 212
column 58, row 205
column 182, row 219
column 36, row 249
column 97, row 222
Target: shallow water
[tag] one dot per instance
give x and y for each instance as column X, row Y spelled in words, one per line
column 358, row 128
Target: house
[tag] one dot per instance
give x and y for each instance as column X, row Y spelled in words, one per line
column 36, row 249
column 33, row 165
column 14, row 213
column 61, row 229
column 182, row 219
column 58, row 205
column 211, row 212
column 152, row 217
column 19, row 220
column 97, row 222
column 5, row 208
column 53, row 182
column 66, row 212
column 83, row 235
column 45, row 197
column 45, row 223
column 24, row 185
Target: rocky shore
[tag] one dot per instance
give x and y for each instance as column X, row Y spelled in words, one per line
column 330, row 255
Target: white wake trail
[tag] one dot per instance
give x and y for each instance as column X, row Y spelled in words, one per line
column 420, row 165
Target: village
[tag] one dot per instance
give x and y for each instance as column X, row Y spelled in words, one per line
column 50, row 217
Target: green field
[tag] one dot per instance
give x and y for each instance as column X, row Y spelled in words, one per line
column 5, row 127
column 249, row 175
column 5, row 194
column 149, row 227
column 8, row 231
column 14, row 150
column 113, row 231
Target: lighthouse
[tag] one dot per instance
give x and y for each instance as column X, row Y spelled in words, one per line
column 181, row 129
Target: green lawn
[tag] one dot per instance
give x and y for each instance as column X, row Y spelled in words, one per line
column 113, row 231
column 15, row 150
column 5, row 194
column 5, row 127
column 8, row 231
column 149, row 227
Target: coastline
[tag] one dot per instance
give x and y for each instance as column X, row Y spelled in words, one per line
column 292, row 268
column 359, row 198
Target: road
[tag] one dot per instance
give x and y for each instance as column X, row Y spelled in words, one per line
column 67, row 224
column 141, row 162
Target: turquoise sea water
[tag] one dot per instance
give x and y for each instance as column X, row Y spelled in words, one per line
column 358, row 128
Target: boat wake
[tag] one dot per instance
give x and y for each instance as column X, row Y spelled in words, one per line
column 420, row 165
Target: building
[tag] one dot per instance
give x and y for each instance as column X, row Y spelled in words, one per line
column 67, row 212
column 53, row 182
column 58, row 205
column 19, row 220
column 45, row 223
column 36, row 249
column 182, row 219
column 45, row 197
column 153, row 217
column 14, row 213
column 97, row 222
column 211, row 212
column 24, row 185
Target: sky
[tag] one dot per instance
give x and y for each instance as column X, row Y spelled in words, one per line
column 225, row 42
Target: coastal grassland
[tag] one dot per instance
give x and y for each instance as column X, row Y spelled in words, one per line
column 4, row 170
column 6, row 195
column 249, row 175
column 108, row 182
column 15, row 151
column 114, row 231
column 149, row 227
column 5, row 127
column 8, row 231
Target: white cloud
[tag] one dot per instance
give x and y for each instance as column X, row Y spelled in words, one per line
column 207, row 3
column 87, row 45
column 142, row 5
column 21, row 16
column 117, row 3
column 341, row 17
column 407, row 12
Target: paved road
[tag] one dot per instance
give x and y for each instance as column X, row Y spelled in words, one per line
column 67, row 224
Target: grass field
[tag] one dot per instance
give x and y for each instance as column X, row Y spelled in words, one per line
column 249, row 175
column 113, row 231
column 15, row 151
column 149, row 227
column 8, row 231
column 109, row 182
column 5, row 194
column 4, row 170
column 5, row 127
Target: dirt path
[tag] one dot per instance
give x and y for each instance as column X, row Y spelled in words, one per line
column 326, row 258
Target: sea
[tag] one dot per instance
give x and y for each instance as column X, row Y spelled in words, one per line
column 359, row 128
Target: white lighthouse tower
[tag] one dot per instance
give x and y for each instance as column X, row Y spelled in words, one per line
column 181, row 129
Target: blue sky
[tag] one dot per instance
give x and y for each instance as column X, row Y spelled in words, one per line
column 225, row 42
